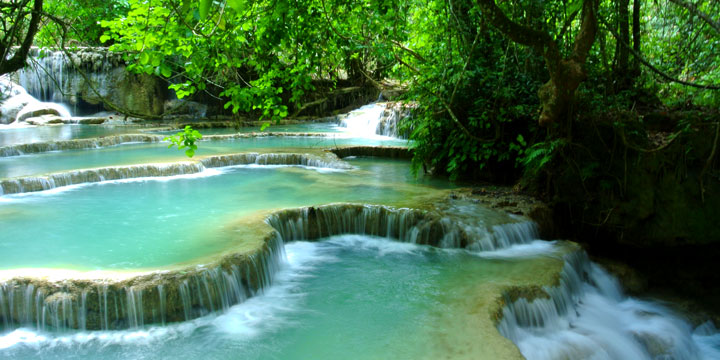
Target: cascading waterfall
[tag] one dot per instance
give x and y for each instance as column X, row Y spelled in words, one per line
column 51, row 77
column 373, row 120
column 156, row 298
column 53, row 181
column 402, row 224
column 587, row 315
column 77, row 144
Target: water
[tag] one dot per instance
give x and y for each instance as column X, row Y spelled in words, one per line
column 588, row 317
column 43, row 163
column 148, row 223
column 350, row 297
column 319, row 127
column 28, row 135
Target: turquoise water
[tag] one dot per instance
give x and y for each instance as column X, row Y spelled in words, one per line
column 146, row 223
column 27, row 135
column 346, row 297
column 321, row 127
column 43, row 163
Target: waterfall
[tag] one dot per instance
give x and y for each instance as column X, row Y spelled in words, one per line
column 51, row 76
column 587, row 315
column 52, row 181
column 77, row 144
column 151, row 299
column 375, row 119
column 96, row 143
column 402, row 224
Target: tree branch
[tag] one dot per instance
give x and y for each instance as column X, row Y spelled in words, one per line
column 516, row 32
column 17, row 62
column 693, row 9
column 653, row 68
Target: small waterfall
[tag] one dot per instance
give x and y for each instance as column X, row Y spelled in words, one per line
column 506, row 235
column 51, row 76
column 587, row 316
column 96, row 143
column 52, row 181
column 376, row 119
column 152, row 299
column 327, row 160
column 77, row 144
column 406, row 225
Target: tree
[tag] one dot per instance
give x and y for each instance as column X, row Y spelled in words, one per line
column 18, row 30
column 566, row 73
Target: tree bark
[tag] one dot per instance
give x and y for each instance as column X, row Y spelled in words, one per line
column 622, row 56
column 566, row 74
column 17, row 61
column 636, row 37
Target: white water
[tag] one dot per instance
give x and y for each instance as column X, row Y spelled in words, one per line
column 18, row 102
column 589, row 317
column 370, row 121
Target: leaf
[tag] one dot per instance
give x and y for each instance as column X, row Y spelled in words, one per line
column 165, row 71
column 204, row 8
column 264, row 126
column 104, row 38
column 237, row 5
column 573, row 6
column 144, row 58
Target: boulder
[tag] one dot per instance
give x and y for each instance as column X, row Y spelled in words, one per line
column 44, row 120
column 36, row 109
column 13, row 98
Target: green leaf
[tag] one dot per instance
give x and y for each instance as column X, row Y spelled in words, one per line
column 165, row 71
column 204, row 8
column 237, row 5
column 104, row 38
column 264, row 126
column 144, row 58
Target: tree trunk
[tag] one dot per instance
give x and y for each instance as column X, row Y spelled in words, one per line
column 636, row 37
column 17, row 61
column 622, row 56
column 566, row 74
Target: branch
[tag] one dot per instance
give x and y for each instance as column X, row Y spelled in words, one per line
column 445, row 105
column 653, row 68
column 411, row 52
column 693, row 9
column 586, row 36
column 17, row 62
column 520, row 34
column 64, row 26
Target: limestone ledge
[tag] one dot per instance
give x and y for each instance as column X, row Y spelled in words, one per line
column 52, row 299
column 113, row 140
column 76, row 177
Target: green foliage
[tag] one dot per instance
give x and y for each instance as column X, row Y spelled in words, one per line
column 185, row 139
column 536, row 157
column 83, row 16
column 261, row 56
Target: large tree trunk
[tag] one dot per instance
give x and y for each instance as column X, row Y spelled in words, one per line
column 566, row 74
column 17, row 61
column 636, row 37
column 622, row 55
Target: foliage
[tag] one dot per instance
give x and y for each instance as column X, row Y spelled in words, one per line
column 83, row 16
column 185, row 139
column 475, row 90
column 261, row 56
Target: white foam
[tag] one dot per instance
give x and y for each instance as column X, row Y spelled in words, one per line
column 532, row 249
column 265, row 312
column 383, row 246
